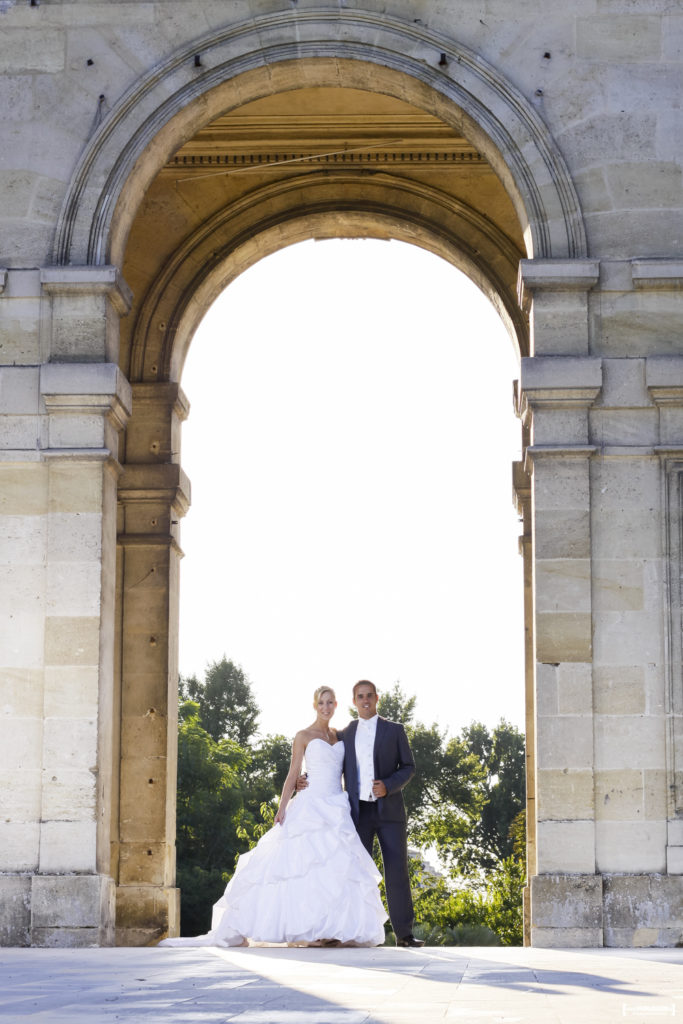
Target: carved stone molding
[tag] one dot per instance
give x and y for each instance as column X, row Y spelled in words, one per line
column 556, row 381
column 555, row 275
column 317, row 45
column 87, row 280
column 657, row 273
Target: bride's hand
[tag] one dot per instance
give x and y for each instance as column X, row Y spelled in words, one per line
column 279, row 818
column 301, row 782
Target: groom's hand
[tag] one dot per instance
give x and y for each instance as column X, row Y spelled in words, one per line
column 378, row 788
column 301, row 782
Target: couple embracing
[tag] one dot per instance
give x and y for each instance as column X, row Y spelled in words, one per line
column 311, row 879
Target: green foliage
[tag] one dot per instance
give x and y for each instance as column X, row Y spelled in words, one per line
column 209, row 801
column 518, row 835
column 488, row 913
column 227, row 791
column 502, row 758
column 396, row 706
column 226, row 704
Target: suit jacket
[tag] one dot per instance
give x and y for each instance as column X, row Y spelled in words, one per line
column 394, row 765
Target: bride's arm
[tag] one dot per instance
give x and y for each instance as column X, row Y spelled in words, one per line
column 298, row 748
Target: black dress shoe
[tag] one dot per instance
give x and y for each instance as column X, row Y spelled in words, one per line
column 410, row 940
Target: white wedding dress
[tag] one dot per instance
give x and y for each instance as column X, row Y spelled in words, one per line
column 307, row 880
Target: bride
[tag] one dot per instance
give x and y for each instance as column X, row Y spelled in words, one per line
column 309, row 879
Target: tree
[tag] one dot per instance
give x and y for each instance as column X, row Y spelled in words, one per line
column 210, row 809
column 226, row 703
column 396, row 706
column 501, row 755
column 228, row 785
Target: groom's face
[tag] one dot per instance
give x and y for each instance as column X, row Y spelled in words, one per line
column 365, row 698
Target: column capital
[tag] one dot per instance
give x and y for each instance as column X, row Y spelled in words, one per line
column 163, row 482
column 167, row 393
column 559, row 381
column 555, row 275
column 88, row 281
column 664, row 379
column 86, row 387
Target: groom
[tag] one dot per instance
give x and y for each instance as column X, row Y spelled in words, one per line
column 377, row 765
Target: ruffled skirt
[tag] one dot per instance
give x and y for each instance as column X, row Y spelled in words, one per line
column 308, row 880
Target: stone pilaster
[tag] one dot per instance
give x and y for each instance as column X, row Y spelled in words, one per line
column 522, row 496
column 87, row 407
column 664, row 381
column 153, row 496
column 556, row 395
column 60, row 496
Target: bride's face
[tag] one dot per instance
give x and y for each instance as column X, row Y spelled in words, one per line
column 326, row 705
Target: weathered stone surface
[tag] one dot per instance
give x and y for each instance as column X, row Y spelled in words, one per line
column 656, row 902
column 567, row 910
column 145, row 914
column 77, row 897
column 15, row 910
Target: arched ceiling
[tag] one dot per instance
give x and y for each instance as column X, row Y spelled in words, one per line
column 308, row 162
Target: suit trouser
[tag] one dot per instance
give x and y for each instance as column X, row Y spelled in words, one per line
column 394, row 846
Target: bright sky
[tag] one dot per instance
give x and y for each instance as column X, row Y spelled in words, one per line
column 349, row 446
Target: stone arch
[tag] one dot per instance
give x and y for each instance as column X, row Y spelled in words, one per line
column 277, row 54
column 287, row 50
column 243, row 233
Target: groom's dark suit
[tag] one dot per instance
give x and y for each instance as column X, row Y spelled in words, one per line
column 386, row 817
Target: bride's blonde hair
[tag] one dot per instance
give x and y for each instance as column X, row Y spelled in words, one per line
column 320, row 691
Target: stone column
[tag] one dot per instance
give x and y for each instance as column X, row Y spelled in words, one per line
column 72, row 893
column 522, row 496
column 664, row 381
column 64, row 406
column 153, row 496
column 559, row 384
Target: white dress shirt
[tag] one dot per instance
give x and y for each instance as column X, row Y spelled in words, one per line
column 365, row 761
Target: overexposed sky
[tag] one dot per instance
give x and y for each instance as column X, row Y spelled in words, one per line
column 349, row 446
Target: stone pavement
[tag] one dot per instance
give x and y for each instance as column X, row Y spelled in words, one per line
column 277, row 985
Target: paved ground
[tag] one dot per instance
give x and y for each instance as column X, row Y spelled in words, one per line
column 340, row 986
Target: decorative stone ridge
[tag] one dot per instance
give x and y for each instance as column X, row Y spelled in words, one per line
column 657, row 273
column 88, row 281
column 89, row 404
column 555, row 275
column 563, row 379
column 664, row 379
column 66, row 383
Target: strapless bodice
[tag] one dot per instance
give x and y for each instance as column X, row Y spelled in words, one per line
column 324, row 767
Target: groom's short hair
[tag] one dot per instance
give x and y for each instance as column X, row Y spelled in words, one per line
column 363, row 682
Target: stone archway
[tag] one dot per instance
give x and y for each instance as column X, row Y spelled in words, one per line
column 341, row 48
column 390, row 198
column 114, row 404
column 291, row 200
